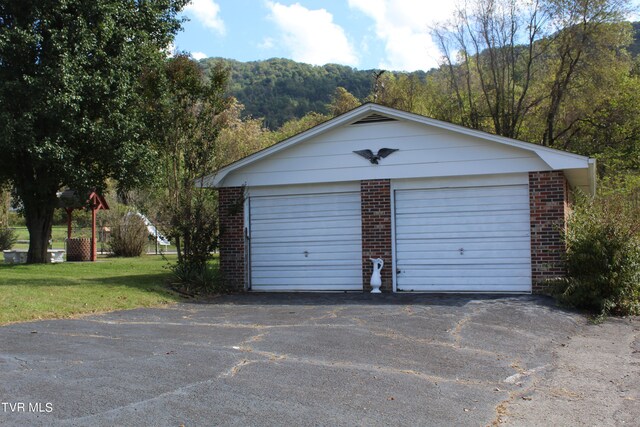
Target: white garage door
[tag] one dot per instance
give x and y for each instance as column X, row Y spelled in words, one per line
column 306, row 242
column 472, row 239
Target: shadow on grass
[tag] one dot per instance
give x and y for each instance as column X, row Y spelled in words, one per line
column 153, row 283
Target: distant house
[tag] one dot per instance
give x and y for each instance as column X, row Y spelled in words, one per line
column 452, row 210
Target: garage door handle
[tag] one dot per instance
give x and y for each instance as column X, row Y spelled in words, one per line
column 398, row 271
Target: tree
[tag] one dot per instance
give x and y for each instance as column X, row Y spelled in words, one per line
column 296, row 126
column 342, row 101
column 589, row 39
column 69, row 91
column 5, row 201
column 498, row 47
column 240, row 137
column 521, row 67
column 187, row 110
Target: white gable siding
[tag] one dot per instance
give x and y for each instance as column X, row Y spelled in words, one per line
column 425, row 151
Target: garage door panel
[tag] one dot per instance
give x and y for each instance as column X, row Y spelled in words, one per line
column 420, row 246
column 294, row 212
column 295, row 218
column 308, row 272
column 459, row 192
column 298, row 281
column 468, row 228
column 454, row 254
column 311, row 257
column 300, row 247
column 443, row 235
column 308, row 287
column 405, row 264
column 459, row 281
column 328, row 236
column 321, row 202
column 490, row 224
column 471, row 288
column 306, row 242
column 310, row 225
column 478, row 198
column 496, row 208
column 455, row 218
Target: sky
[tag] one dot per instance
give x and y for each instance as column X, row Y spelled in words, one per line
column 364, row 34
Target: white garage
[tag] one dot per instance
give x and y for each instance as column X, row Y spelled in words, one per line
column 448, row 209
column 463, row 239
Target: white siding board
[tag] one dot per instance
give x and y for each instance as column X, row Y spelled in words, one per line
column 491, row 224
column 306, row 242
column 314, row 175
column 424, row 151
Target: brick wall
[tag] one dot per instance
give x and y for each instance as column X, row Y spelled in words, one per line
column 548, row 200
column 376, row 230
column 231, row 214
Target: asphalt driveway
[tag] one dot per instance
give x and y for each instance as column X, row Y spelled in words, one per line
column 308, row 359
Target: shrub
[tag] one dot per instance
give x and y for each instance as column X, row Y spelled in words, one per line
column 196, row 279
column 129, row 235
column 7, row 238
column 603, row 257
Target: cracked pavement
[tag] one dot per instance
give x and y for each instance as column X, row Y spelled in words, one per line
column 313, row 359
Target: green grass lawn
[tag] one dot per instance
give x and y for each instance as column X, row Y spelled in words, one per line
column 45, row 291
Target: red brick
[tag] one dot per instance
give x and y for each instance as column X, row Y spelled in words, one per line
column 549, row 206
column 375, row 198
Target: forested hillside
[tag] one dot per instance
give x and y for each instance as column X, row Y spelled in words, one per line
column 279, row 89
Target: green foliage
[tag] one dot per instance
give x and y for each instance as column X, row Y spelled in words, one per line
column 280, row 90
column 296, row 126
column 196, row 279
column 240, row 137
column 342, row 101
column 189, row 111
column 7, row 238
column 70, row 96
column 129, row 235
column 603, row 257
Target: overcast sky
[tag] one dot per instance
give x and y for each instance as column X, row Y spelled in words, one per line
column 387, row 34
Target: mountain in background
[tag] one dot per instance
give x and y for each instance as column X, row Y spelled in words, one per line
column 279, row 89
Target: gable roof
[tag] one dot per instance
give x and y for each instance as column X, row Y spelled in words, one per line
column 372, row 113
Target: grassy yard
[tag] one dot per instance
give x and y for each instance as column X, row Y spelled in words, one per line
column 44, row 291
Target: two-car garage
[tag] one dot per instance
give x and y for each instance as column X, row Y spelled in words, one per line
column 448, row 209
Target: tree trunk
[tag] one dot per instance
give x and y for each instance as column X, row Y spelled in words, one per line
column 38, row 213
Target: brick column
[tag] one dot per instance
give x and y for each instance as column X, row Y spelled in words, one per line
column 548, row 202
column 231, row 217
column 375, row 199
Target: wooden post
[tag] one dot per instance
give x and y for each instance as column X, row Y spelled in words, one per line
column 94, row 253
column 69, row 210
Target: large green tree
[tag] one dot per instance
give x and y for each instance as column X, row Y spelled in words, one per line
column 69, row 96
